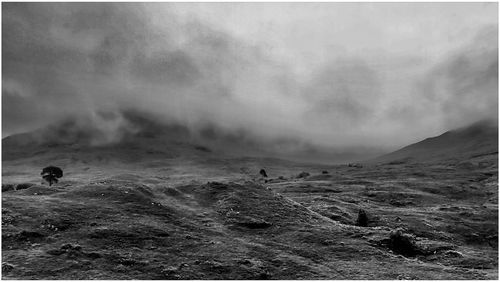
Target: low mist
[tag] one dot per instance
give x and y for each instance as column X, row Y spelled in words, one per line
column 203, row 67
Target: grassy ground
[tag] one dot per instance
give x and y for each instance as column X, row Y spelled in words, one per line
column 212, row 218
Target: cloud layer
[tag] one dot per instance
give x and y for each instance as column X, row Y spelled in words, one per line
column 250, row 68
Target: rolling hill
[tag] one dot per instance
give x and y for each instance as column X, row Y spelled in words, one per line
column 473, row 143
column 159, row 204
column 138, row 131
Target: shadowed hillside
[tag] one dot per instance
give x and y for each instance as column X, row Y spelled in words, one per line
column 472, row 143
column 114, row 134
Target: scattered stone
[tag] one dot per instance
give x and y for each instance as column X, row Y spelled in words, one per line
column 127, row 261
column 7, row 267
column 245, row 262
column 29, row 235
column 328, row 242
column 170, row 273
column 252, row 223
column 56, row 252
column 22, row 186
column 404, row 277
column 66, row 246
column 7, row 219
column 8, row 187
column 57, row 225
column 71, row 247
column 303, row 174
column 169, row 270
column 94, row 255
column 402, row 244
column 362, row 218
column 264, row 276
column 203, row 149
column 401, row 203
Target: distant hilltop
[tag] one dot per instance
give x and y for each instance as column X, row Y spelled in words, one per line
column 473, row 142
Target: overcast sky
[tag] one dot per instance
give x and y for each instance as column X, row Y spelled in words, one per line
column 330, row 74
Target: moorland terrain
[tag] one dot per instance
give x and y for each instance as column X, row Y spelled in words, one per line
column 156, row 207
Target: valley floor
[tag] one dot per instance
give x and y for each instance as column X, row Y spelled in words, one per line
column 219, row 221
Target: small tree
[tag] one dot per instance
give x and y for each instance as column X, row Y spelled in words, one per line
column 263, row 173
column 51, row 174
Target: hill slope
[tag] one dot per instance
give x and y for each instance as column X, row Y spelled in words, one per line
column 471, row 143
column 158, row 205
column 120, row 131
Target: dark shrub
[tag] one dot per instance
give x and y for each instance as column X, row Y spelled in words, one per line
column 253, row 223
column 28, row 235
column 22, row 186
column 71, row 247
column 402, row 244
column 203, row 149
column 263, row 173
column 7, row 187
column 6, row 267
column 362, row 218
column 324, row 172
column 303, row 174
column 56, row 252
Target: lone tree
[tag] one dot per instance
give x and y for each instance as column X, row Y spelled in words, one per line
column 51, row 174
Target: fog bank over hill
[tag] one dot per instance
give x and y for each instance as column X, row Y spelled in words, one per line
column 252, row 70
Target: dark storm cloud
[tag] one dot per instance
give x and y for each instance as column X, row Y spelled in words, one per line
column 86, row 59
column 64, row 54
column 111, row 55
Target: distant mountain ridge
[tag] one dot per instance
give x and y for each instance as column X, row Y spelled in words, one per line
column 148, row 136
column 476, row 140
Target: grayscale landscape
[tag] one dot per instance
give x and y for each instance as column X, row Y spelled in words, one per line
column 250, row 141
